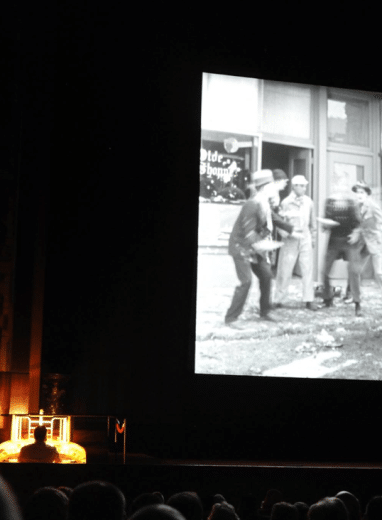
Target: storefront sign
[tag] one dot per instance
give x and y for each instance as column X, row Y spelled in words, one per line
column 212, row 163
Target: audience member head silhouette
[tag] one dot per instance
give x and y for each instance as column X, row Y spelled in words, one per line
column 97, row 500
column 284, row 511
column 65, row 489
column 146, row 499
column 373, row 509
column 223, row 511
column 188, row 503
column 247, row 508
column 46, row 503
column 302, row 509
column 157, row 512
column 218, row 499
column 209, row 500
column 159, row 494
column 329, row 508
column 272, row 496
column 351, row 503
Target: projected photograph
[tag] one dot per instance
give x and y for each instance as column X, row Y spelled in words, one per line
column 289, row 277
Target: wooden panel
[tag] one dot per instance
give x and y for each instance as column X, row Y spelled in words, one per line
column 19, row 394
column 5, row 390
column 6, row 315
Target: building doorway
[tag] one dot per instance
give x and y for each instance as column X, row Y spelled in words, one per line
column 293, row 160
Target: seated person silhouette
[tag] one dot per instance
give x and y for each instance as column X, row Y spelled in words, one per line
column 39, row 451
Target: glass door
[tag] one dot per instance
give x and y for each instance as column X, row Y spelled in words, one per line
column 346, row 169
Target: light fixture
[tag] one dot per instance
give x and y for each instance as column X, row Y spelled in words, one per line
column 231, row 145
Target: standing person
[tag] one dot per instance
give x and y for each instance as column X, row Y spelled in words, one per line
column 253, row 224
column 370, row 229
column 369, row 234
column 297, row 210
column 342, row 208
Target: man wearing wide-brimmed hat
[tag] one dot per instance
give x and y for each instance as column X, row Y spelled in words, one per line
column 253, row 224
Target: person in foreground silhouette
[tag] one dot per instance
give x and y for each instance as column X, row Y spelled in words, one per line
column 284, row 511
column 39, row 451
column 9, row 505
column 157, row 512
column 351, row 503
column 272, row 496
column 97, row 500
column 223, row 511
column 188, row 503
column 145, row 499
column 46, row 503
column 328, row 508
column 373, row 509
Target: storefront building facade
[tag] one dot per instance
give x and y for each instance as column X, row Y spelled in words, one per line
column 331, row 136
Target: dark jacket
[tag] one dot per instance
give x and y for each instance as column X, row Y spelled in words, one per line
column 371, row 226
column 251, row 227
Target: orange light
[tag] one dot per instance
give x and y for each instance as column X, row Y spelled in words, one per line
column 18, row 408
column 58, row 435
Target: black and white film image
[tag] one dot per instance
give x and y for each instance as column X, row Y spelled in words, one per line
column 289, row 277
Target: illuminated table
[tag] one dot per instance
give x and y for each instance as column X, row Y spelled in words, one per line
column 58, row 435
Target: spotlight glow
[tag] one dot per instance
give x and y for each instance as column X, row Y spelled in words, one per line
column 58, row 435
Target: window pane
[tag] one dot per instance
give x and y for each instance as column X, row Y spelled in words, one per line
column 344, row 174
column 286, row 109
column 348, row 121
column 230, row 104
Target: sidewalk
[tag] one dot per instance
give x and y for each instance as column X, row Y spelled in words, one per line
column 299, row 335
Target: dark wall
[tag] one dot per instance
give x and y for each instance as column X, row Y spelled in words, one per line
column 121, row 242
